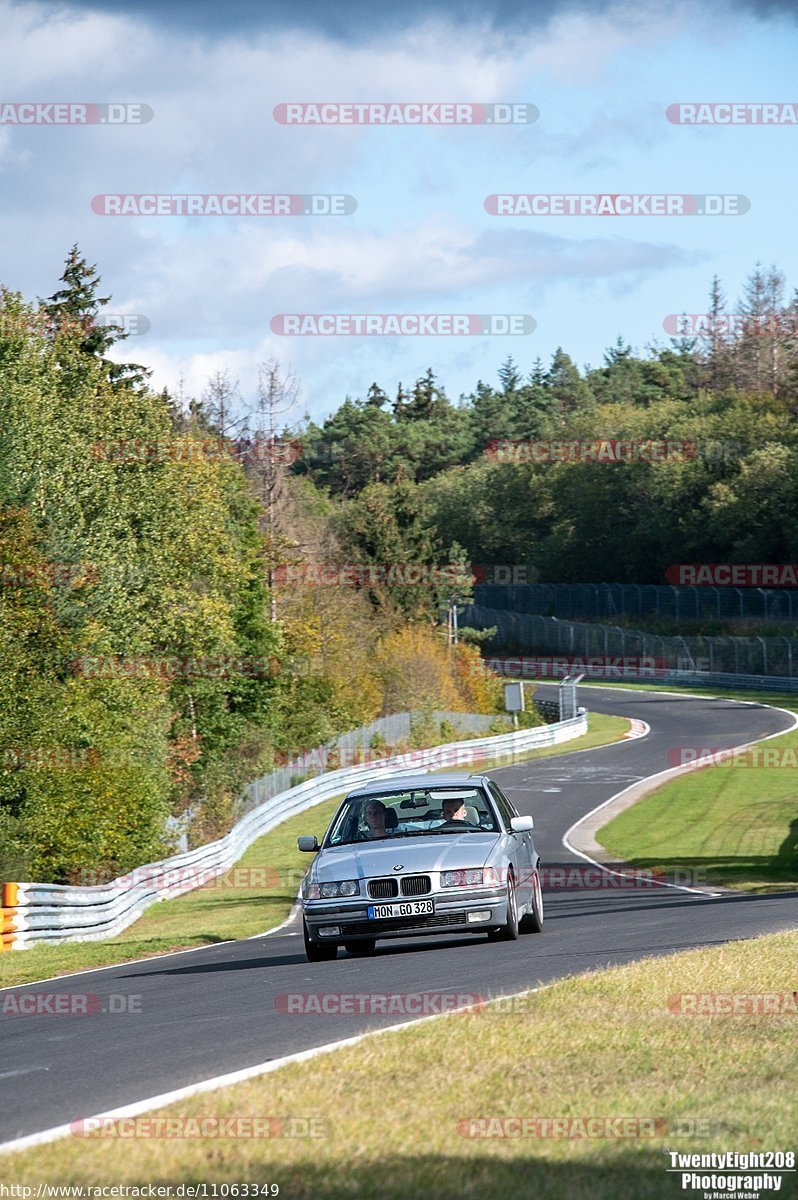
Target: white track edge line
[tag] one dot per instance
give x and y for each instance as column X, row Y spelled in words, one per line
column 674, row 773
column 221, row 1081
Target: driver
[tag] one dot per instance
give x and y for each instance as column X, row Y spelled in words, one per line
column 375, row 819
column 453, row 809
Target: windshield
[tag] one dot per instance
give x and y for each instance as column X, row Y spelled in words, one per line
column 440, row 811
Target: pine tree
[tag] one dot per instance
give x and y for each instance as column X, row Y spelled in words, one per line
column 73, row 312
column 376, row 396
column 566, row 384
column 718, row 347
column 425, row 402
column 620, row 352
column 509, row 375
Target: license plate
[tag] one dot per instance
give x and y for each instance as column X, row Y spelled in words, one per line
column 406, row 908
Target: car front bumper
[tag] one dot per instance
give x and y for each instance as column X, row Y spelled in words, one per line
column 348, row 921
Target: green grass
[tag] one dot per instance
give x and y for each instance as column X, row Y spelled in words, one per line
column 604, row 1044
column 253, row 897
column 726, row 825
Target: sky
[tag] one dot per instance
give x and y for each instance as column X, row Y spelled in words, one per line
column 419, row 241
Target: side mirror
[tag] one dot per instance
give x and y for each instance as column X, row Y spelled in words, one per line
column 522, row 824
column 308, row 842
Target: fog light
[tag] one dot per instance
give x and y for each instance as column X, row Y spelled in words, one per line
column 330, row 931
column 483, row 914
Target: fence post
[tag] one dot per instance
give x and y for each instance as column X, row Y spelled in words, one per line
column 567, row 697
column 675, row 592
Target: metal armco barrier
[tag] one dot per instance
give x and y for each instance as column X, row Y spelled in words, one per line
column 35, row 913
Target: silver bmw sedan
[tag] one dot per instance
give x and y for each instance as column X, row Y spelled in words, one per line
column 421, row 854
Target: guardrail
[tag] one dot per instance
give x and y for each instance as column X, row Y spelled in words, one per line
column 36, row 913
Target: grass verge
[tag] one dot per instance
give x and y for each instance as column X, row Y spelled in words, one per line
column 732, row 825
column 253, row 897
column 396, row 1112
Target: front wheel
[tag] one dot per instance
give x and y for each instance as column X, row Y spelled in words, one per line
column 318, row 951
column 509, row 931
column 533, row 921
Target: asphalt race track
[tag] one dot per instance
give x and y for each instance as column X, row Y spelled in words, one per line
column 216, row 1010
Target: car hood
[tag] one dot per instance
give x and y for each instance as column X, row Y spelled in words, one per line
column 444, row 852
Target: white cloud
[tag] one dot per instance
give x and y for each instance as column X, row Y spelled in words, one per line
column 420, row 240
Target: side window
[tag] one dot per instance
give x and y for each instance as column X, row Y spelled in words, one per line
column 502, row 803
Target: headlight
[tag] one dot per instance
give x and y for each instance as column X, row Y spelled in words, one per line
column 466, row 877
column 331, row 891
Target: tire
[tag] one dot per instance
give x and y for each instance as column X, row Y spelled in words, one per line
column 318, row 951
column 366, row 946
column 509, row 931
column 532, row 922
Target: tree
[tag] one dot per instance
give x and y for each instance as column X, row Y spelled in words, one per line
column 509, row 376
column 718, row 355
column 388, row 526
column 620, row 352
column 277, row 395
column 424, row 403
column 566, row 385
column 74, row 311
column 376, row 396
column 221, row 404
